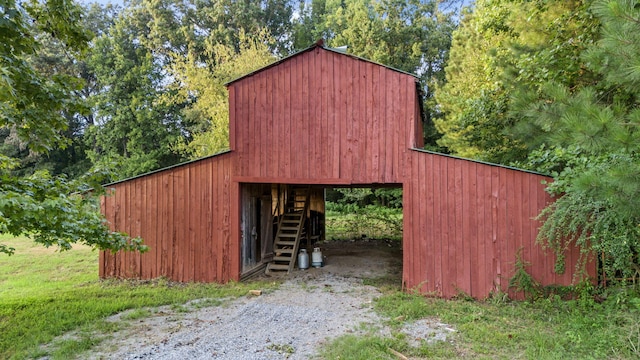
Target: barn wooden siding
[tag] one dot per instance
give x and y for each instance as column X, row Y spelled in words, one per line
column 184, row 215
column 323, row 117
column 465, row 224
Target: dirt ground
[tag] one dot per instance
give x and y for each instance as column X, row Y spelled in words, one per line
column 308, row 309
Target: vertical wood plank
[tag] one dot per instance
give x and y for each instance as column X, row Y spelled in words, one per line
column 101, row 255
column 194, row 209
column 405, row 111
column 472, row 233
column 408, row 245
column 356, row 94
column 279, row 117
column 496, row 223
column 426, row 254
column 289, row 121
column 483, row 206
column 374, row 137
column 253, row 120
column 222, row 216
column 266, row 105
column 395, row 129
column 232, row 244
column 127, row 205
column 154, row 215
column 232, row 116
column 503, row 229
column 436, row 230
column 382, row 136
column 311, row 130
column 145, row 263
column 458, row 220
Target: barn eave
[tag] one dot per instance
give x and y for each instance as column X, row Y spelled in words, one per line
column 481, row 162
column 224, row 152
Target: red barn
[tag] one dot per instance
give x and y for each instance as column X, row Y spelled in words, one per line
column 317, row 119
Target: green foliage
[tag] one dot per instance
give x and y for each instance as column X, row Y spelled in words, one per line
column 504, row 48
column 522, row 280
column 133, row 131
column 35, row 105
column 31, row 103
column 362, row 212
column 203, row 87
column 54, row 211
column 592, row 148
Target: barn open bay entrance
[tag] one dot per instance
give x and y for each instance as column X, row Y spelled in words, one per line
column 357, row 229
column 276, row 221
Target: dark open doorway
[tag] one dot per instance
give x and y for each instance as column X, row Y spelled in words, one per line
column 279, row 220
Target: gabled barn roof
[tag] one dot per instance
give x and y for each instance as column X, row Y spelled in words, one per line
column 318, row 44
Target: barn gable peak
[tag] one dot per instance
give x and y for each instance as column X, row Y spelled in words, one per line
column 318, row 45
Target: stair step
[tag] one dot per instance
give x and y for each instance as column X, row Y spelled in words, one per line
column 288, row 235
column 282, row 258
column 273, row 266
column 289, row 228
column 281, row 242
column 283, row 251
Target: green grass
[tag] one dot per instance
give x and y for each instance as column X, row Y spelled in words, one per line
column 45, row 294
column 545, row 329
column 373, row 222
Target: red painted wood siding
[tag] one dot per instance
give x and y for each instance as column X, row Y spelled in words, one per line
column 184, row 215
column 324, row 117
column 465, row 222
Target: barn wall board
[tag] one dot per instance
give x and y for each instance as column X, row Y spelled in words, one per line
column 466, row 224
column 183, row 216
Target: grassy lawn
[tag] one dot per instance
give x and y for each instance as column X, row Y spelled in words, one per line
column 44, row 294
column 492, row 329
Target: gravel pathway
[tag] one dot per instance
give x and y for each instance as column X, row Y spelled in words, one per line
column 291, row 322
column 308, row 309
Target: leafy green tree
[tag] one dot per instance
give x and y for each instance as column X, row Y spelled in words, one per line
column 51, row 210
column 501, row 48
column 205, row 90
column 592, row 147
column 133, row 131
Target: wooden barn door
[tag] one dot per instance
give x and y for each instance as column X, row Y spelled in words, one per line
column 256, row 226
column 266, row 223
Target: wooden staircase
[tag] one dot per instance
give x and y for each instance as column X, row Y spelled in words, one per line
column 290, row 231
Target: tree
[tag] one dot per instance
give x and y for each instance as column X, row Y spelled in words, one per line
column 592, row 147
column 205, row 90
column 51, row 210
column 133, row 131
column 500, row 48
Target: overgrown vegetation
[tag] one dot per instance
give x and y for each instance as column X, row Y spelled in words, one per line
column 364, row 213
column 606, row 326
column 45, row 294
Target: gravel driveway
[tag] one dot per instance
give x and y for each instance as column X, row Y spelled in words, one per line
column 292, row 322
